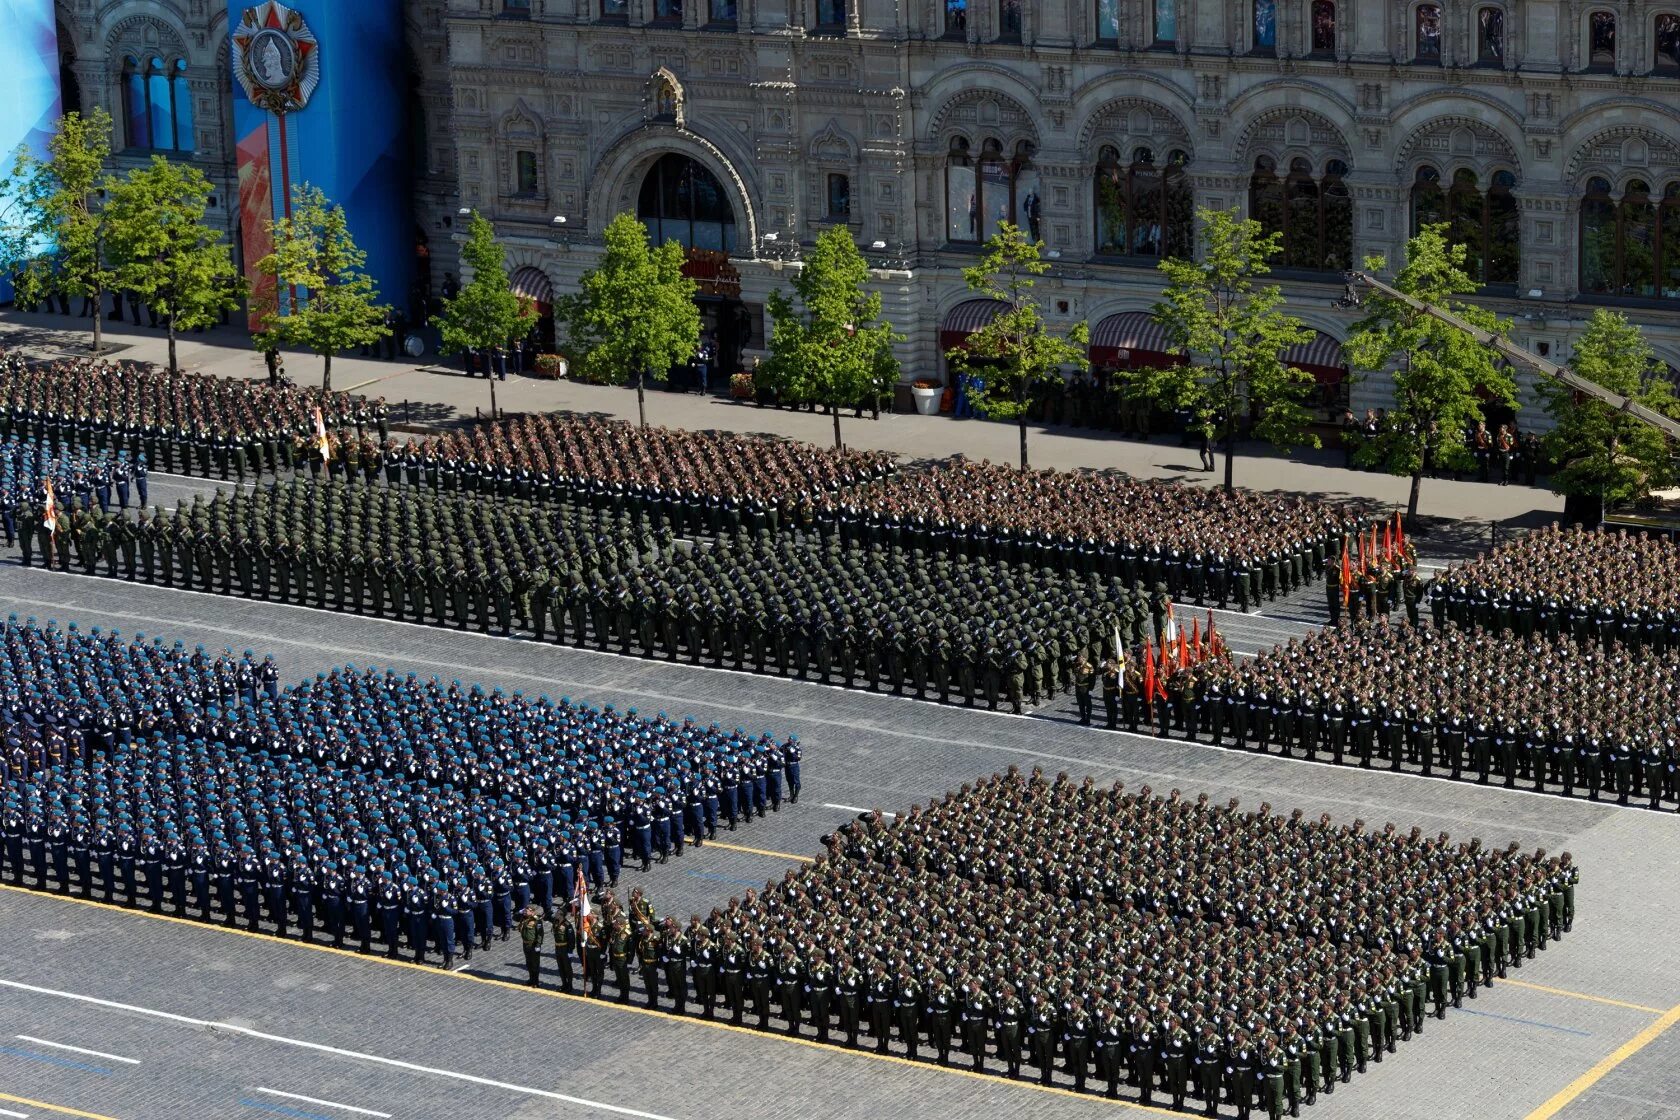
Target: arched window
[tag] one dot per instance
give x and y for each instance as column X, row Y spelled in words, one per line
column 157, row 104
column 1108, row 21
column 962, row 194
column 1429, row 202
column 1027, row 194
column 1265, row 26
column 682, row 201
column 1314, row 216
column 1490, row 36
column 181, row 92
column 1428, row 33
column 1666, row 34
column 1668, row 223
column 1630, row 246
column 1504, row 228
column 1009, row 19
column 1143, row 208
column 1601, row 40
column 1484, row 221
column 956, row 18
column 1165, row 18
column 162, row 103
column 137, row 118
column 1324, row 27
column 1599, row 267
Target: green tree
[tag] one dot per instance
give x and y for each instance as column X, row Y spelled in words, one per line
column 58, row 204
column 1604, row 453
column 1233, row 333
column 830, row 347
column 161, row 249
column 485, row 313
column 1014, row 354
column 1442, row 376
column 325, row 301
column 634, row 311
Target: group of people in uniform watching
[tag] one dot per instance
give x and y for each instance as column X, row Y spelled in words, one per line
column 361, row 808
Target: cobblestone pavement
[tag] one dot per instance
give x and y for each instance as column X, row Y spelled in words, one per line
column 1504, row 1055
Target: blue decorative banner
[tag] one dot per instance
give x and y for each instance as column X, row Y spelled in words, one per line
column 321, row 98
column 29, row 93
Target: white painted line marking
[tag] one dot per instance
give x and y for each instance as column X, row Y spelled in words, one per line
column 846, row 808
column 18, row 1115
column 319, row 1101
column 77, row 1050
column 321, row 1048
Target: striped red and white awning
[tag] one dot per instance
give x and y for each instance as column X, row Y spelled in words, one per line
column 966, row 318
column 1131, row 330
column 1323, row 352
column 532, row 284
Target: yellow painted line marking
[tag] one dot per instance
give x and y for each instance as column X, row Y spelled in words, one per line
column 513, row 986
column 1582, row 995
column 757, row 851
column 58, row 1108
column 1616, row 1057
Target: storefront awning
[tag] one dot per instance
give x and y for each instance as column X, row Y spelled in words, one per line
column 1322, row 357
column 1131, row 338
column 966, row 318
column 533, row 284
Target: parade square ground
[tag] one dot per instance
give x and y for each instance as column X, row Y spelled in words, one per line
column 114, row 1014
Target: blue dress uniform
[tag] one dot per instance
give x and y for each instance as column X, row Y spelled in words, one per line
column 366, row 768
column 483, row 906
column 302, row 895
column 416, row 909
column 174, row 874
column 791, row 754
column 388, row 899
column 612, row 851
column 330, row 886
column 441, row 913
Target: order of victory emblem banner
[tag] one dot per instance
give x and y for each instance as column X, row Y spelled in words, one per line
column 276, row 58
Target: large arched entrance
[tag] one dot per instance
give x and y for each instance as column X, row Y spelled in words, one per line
column 682, row 201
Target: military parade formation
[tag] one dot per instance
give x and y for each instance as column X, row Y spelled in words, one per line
column 1089, row 935
column 1600, row 585
column 1171, row 951
column 1207, row 546
column 188, row 423
column 368, row 806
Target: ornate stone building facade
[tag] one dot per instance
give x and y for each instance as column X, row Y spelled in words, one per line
column 1547, row 132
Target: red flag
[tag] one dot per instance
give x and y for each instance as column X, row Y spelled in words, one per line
column 1373, row 543
column 1196, row 641
column 1183, row 650
column 1347, row 575
column 1388, row 543
column 1399, row 533
column 1149, row 682
column 586, row 917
